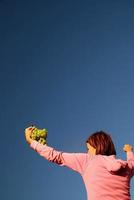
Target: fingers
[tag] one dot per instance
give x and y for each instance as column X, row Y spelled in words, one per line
column 28, row 132
column 30, row 127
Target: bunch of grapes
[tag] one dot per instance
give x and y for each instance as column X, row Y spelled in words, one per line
column 39, row 135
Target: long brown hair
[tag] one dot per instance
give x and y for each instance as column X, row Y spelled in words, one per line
column 102, row 142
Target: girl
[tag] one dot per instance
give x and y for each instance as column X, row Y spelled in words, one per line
column 105, row 177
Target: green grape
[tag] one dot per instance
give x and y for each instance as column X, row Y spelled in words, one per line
column 39, row 135
column 43, row 133
column 42, row 141
column 33, row 136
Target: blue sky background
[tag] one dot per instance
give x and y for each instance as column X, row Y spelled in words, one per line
column 67, row 66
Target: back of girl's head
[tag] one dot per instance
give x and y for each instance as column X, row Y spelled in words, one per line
column 102, row 142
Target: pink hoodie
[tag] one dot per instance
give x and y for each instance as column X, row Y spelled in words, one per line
column 105, row 177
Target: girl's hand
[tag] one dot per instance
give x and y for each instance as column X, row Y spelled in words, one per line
column 127, row 148
column 28, row 132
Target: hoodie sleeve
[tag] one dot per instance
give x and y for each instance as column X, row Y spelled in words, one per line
column 130, row 160
column 74, row 161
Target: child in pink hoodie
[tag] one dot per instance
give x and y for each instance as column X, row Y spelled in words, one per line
column 105, row 177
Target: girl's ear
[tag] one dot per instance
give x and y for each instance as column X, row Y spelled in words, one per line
column 91, row 149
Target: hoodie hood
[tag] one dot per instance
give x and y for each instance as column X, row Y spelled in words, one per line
column 113, row 165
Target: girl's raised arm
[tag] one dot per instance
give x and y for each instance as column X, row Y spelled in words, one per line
column 130, row 156
column 75, row 161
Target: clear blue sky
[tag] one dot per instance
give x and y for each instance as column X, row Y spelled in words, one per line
column 67, row 66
